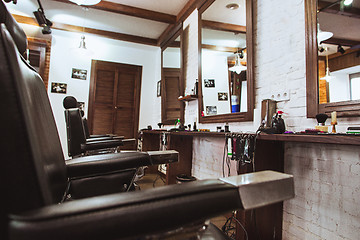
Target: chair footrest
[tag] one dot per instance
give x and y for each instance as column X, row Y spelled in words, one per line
column 163, row 157
column 259, row 189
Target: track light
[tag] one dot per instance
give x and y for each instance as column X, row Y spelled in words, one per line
column 340, row 49
column 42, row 20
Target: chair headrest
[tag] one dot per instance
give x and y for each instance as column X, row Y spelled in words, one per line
column 17, row 33
column 70, row 102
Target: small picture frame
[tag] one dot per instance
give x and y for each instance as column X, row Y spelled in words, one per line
column 80, row 74
column 211, row 110
column 58, row 87
column 209, row 83
column 159, row 88
column 81, row 105
column 223, row 96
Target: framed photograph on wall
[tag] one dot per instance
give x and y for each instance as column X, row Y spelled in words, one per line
column 209, row 83
column 159, row 88
column 58, row 87
column 211, row 110
column 222, row 96
column 79, row 74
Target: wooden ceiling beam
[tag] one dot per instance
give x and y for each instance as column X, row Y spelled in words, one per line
column 103, row 33
column 350, row 11
column 223, row 26
column 130, row 11
column 342, row 42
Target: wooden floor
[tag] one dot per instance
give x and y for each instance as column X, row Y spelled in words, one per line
column 151, row 180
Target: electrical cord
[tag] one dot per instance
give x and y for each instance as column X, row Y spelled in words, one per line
column 229, row 229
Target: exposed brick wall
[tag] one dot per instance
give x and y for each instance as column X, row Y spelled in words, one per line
column 327, row 185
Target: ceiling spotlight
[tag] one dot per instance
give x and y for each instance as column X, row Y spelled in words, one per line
column 340, row 49
column 85, row 2
column 232, row 6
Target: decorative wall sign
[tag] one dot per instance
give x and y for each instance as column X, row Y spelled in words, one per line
column 79, row 74
column 159, row 88
column 209, row 83
column 211, row 110
column 222, row 96
column 58, row 87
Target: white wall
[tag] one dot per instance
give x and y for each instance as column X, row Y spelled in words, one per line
column 64, row 58
column 215, row 66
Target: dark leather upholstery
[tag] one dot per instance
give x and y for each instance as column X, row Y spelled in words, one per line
column 135, row 214
column 78, row 138
column 14, row 29
column 78, row 144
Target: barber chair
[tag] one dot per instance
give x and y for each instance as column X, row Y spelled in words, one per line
column 70, row 102
column 36, row 180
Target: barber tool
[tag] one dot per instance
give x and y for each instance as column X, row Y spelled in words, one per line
column 321, row 119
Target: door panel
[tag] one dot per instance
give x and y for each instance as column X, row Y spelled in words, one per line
column 102, row 119
column 114, row 99
column 171, row 104
column 104, row 86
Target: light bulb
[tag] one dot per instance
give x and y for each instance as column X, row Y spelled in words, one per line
column 347, row 2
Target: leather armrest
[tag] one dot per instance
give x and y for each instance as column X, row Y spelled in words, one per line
column 147, row 212
column 95, row 145
column 132, row 214
column 105, row 163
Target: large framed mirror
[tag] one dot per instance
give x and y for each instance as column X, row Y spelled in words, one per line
column 333, row 57
column 226, row 88
column 171, row 78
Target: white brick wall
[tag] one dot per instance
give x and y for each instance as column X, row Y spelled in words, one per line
column 327, row 177
column 327, row 185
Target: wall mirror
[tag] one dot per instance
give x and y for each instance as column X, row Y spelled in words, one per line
column 171, row 79
column 333, row 57
column 226, row 89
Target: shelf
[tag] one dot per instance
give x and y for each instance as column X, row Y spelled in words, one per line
column 341, row 139
column 188, row 98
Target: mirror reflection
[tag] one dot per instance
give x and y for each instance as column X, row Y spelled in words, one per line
column 338, row 53
column 171, row 74
column 223, row 58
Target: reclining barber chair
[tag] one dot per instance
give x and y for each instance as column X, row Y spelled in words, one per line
column 36, row 180
column 78, row 143
column 70, row 102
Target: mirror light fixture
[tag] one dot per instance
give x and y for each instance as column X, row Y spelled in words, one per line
column 347, row 2
column 327, row 77
column 322, row 35
column 85, row 2
column 238, row 67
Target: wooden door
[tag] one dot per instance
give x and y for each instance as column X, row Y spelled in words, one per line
column 171, row 90
column 114, row 99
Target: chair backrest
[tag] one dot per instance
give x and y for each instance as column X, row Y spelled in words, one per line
column 75, row 131
column 33, row 171
column 16, row 32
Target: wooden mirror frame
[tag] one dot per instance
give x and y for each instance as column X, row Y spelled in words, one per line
column 240, row 116
column 343, row 109
column 176, row 32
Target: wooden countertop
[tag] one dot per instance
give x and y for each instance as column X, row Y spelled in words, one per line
column 342, row 139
